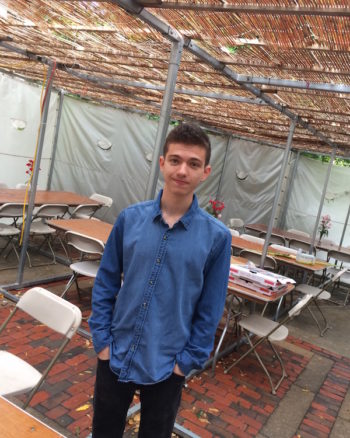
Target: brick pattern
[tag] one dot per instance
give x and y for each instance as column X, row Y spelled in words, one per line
column 237, row 404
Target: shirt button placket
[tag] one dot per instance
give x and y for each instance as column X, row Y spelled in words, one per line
column 140, row 321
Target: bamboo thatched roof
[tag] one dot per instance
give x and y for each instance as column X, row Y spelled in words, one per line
column 295, row 52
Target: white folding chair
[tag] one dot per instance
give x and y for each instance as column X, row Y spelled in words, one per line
column 234, row 232
column 18, row 376
column 106, row 201
column 295, row 231
column 274, row 238
column 38, row 226
column 236, row 223
column 21, row 186
column 269, row 263
column 270, row 331
column 341, row 260
column 85, row 211
column 10, row 212
column 299, row 244
column 86, row 246
column 251, row 238
column 320, row 293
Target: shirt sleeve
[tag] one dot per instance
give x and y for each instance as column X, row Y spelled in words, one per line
column 106, row 287
column 209, row 308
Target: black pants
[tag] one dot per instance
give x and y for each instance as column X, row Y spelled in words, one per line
column 159, row 405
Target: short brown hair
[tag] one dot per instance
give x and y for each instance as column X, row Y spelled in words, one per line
column 189, row 134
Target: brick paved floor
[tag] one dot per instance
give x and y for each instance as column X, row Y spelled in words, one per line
column 234, row 405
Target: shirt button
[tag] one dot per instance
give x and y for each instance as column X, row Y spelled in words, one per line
column 158, row 261
column 165, row 237
column 150, row 282
column 145, row 305
column 133, row 347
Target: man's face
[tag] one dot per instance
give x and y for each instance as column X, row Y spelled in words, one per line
column 184, row 168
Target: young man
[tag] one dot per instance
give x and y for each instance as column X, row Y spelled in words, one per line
column 153, row 328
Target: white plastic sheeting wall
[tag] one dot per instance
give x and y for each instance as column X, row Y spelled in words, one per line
column 306, row 194
column 249, row 180
column 20, row 104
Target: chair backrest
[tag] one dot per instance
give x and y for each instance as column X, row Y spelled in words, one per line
column 298, row 244
column 253, row 238
column 269, row 263
column 234, row 232
column 283, row 249
column 105, row 200
column 3, row 185
column 338, row 255
column 21, row 186
column 11, row 209
column 53, row 311
column 51, row 211
column 83, row 243
column 274, row 238
column 302, row 233
column 85, row 210
column 295, row 310
column 235, row 222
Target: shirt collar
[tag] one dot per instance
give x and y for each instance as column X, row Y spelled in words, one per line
column 186, row 218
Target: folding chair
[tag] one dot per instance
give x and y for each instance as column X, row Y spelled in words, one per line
column 269, row 331
column 236, row 223
column 319, row 293
column 16, row 375
column 274, row 238
column 85, row 211
column 234, row 232
column 10, row 212
column 301, row 233
column 251, row 238
column 269, row 263
column 341, row 260
column 40, row 228
column 85, row 245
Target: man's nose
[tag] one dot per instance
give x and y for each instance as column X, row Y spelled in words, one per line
column 182, row 169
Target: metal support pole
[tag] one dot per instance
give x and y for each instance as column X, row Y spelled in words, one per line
column 312, row 244
column 289, row 191
column 278, row 191
column 54, row 146
column 344, row 229
column 175, row 57
column 34, row 183
column 224, row 165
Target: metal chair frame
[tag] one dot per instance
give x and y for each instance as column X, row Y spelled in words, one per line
column 48, row 211
column 269, row 331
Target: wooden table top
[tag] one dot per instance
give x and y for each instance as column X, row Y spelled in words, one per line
column 89, row 227
column 17, row 423
column 325, row 244
column 45, row 197
column 240, row 243
column 252, row 295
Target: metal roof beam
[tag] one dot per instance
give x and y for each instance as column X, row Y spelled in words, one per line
column 248, row 9
column 332, row 88
column 178, row 90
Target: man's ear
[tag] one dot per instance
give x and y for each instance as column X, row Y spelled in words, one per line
column 161, row 162
column 206, row 173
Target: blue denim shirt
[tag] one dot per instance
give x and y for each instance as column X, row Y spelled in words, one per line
column 170, row 302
